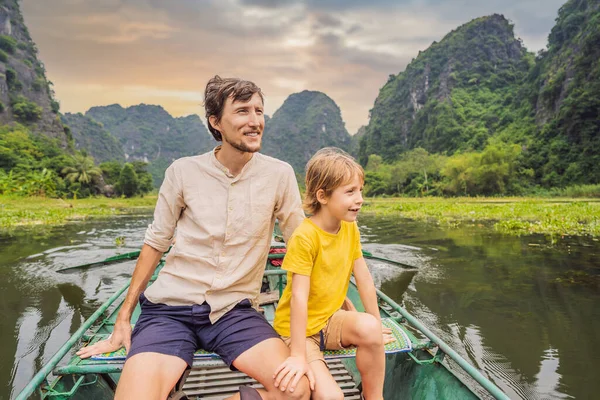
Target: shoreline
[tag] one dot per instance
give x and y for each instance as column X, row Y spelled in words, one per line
column 509, row 215
column 19, row 212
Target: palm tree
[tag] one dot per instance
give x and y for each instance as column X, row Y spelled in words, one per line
column 84, row 170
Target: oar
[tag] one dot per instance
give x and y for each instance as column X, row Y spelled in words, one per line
column 368, row 255
column 110, row 260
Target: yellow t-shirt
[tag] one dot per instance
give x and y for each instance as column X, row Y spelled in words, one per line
column 329, row 260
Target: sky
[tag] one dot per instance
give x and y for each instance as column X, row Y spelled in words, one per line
column 100, row 52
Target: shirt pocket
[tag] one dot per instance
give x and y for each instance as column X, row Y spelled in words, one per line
column 259, row 221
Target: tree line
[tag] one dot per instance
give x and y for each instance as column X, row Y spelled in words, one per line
column 499, row 169
column 36, row 165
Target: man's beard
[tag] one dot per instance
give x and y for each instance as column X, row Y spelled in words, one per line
column 241, row 146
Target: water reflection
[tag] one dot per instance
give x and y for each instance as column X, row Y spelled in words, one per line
column 502, row 302
column 41, row 308
column 523, row 310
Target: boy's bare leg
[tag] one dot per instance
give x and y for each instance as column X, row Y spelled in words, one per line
column 364, row 331
column 149, row 376
column 260, row 363
column 326, row 388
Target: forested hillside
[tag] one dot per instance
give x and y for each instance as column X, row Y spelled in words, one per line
column 454, row 95
column 149, row 133
column 305, row 123
column 564, row 92
column 477, row 114
column 26, row 96
column 91, row 136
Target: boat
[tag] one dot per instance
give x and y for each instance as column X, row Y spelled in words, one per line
column 419, row 365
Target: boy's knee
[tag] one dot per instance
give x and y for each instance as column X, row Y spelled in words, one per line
column 369, row 331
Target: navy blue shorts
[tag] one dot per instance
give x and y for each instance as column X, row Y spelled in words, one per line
column 181, row 330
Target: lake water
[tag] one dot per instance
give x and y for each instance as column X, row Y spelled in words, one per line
column 524, row 311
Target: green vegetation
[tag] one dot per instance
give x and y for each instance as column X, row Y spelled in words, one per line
column 38, row 84
column 8, row 44
column 128, row 181
column 83, row 170
column 305, row 123
column 12, row 81
column 54, row 106
column 91, row 135
column 3, row 56
column 36, row 165
column 496, row 170
column 494, row 119
column 25, row 110
column 516, row 216
column 14, row 212
column 145, row 132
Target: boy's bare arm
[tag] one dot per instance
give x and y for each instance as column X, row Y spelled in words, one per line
column 299, row 315
column 146, row 264
column 366, row 287
column 292, row 370
column 368, row 294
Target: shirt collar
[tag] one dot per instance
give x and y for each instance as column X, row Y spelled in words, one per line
column 225, row 170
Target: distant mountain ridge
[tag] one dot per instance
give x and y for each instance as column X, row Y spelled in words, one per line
column 90, row 135
column 480, row 84
column 306, row 122
column 423, row 105
column 149, row 133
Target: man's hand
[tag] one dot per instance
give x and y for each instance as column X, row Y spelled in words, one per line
column 120, row 337
column 292, row 369
column 388, row 336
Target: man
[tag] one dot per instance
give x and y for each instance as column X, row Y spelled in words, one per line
column 224, row 204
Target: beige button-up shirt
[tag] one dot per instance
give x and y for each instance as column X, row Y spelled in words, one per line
column 224, row 226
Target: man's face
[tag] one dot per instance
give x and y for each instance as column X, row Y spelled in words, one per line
column 242, row 124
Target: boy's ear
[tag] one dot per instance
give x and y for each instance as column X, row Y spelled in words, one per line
column 321, row 197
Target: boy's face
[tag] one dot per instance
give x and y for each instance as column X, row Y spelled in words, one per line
column 345, row 201
column 242, row 124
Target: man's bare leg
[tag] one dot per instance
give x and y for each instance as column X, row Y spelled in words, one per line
column 255, row 364
column 149, row 376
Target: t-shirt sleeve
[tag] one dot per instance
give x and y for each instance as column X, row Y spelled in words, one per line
column 299, row 257
column 357, row 247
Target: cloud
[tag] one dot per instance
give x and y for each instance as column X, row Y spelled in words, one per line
column 163, row 52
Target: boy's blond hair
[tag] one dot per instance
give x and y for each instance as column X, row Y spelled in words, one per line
column 328, row 169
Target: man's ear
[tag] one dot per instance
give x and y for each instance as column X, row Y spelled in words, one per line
column 212, row 120
column 321, row 197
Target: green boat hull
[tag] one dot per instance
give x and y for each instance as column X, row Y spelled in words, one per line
column 420, row 374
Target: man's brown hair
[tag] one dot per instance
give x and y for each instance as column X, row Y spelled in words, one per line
column 218, row 90
column 328, row 169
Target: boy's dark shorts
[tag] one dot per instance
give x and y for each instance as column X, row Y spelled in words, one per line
column 181, row 330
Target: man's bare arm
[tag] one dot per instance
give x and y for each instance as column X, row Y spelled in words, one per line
column 121, row 336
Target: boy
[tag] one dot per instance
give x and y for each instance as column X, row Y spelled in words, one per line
column 322, row 254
